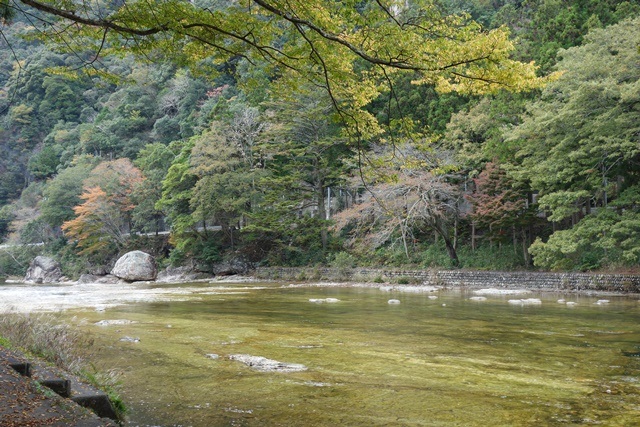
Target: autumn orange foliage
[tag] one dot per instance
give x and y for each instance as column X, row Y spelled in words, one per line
column 102, row 219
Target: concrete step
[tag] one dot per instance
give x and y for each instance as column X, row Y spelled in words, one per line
column 92, row 398
column 63, row 384
column 19, row 365
column 53, row 380
column 67, row 385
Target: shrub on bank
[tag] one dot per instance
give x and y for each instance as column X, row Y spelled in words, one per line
column 14, row 261
column 43, row 336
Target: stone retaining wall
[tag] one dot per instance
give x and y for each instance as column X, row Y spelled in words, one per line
column 621, row 283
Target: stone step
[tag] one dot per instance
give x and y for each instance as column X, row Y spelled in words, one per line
column 92, row 398
column 69, row 386
column 19, row 365
column 53, row 379
column 64, row 384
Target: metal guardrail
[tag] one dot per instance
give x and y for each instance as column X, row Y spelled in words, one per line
column 15, row 245
column 159, row 233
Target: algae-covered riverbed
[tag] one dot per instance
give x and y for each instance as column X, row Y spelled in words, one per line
column 429, row 361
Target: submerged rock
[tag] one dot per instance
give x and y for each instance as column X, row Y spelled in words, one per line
column 267, row 365
column 134, row 266
column 415, row 289
column 528, row 301
column 114, row 322
column 43, row 270
column 324, row 300
column 494, row 291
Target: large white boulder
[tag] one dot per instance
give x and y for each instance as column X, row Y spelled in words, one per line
column 134, row 266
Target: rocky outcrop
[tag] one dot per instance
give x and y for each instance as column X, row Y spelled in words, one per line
column 231, row 266
column 43, row 270
column 135, row 266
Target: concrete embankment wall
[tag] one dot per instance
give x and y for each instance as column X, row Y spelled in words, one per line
column 620, row 283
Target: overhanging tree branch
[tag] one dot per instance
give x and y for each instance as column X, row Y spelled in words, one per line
column 100, row 23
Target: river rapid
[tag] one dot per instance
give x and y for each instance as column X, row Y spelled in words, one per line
column 366, row 354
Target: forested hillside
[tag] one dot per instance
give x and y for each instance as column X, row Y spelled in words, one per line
column 364, row 161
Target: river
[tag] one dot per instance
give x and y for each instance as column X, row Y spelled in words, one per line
column 435, row 358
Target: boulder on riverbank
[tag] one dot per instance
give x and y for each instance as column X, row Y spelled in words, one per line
column 134, row 266
column 43, row 270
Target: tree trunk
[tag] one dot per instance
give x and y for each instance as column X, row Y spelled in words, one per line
column 404, row 241
column 490, row 237
column 525, row 248
column 455, row 232
column 322, row 212
column 473, row 236
column 451, row 249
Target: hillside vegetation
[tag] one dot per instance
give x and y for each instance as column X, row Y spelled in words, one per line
column 291, row 145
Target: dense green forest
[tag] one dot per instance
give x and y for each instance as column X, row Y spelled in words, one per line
column 239, row 159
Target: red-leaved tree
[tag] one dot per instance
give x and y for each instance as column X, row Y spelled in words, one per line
column 498, row 208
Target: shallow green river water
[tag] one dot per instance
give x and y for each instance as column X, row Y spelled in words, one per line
column 448, row 361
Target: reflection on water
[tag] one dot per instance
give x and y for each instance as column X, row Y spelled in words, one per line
column 426, row 361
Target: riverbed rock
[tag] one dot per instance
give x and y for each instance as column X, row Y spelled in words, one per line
column 234, row 265
column 180, row 274
column 91, row 278
column 527, row 301
column 115, row 322
column 267, row 365
column 99, row 270
column 413, row 289
column 134, row 266
column 494, row 291
column 43, row 270
column 324, row 300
